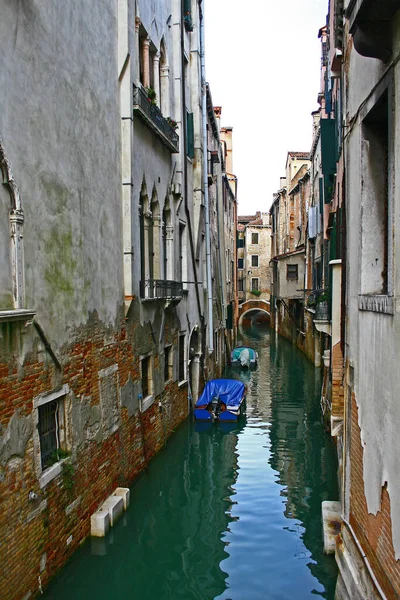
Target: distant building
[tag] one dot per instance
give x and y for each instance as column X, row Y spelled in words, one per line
column 253, row 257
column 288, row 222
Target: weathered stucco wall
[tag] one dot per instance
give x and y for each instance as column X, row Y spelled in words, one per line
column 60, row 121
column 373, row 337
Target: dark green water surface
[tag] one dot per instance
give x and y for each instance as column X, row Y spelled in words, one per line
column 233, row 514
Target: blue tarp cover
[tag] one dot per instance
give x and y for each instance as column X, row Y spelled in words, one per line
column 236, row 353
column 230, row 391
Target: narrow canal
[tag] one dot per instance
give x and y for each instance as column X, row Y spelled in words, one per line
column 226, row 514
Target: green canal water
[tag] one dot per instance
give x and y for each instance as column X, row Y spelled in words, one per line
column 227, row 514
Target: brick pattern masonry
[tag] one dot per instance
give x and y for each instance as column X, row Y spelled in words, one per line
column 38, row 537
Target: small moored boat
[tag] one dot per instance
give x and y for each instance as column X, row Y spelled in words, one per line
column 222, row 400
column 244, row 357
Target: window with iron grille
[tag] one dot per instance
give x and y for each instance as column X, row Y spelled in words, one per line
column 167, row 363
column 254, row 260
column 240, row 285
column 48, row 433
column 146, row 376
column 292, row 272
column 181, row 357
column 254, row 238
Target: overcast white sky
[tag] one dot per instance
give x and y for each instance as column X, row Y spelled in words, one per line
column 263, row 65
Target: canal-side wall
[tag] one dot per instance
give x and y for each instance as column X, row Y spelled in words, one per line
column 306, row 339
column 107, row 439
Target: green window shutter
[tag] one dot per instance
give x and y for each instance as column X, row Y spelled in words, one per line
column 190, row 135
column 328, row 146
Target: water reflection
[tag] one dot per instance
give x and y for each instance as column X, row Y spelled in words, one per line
column 285, row 446
column 169, row 544
column 226, row 512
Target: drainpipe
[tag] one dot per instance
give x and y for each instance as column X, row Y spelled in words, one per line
column 184, row 168
column 205, row 183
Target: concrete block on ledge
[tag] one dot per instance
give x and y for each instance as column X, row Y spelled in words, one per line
column 115, row 507
column 125, row 495
column 99, row 523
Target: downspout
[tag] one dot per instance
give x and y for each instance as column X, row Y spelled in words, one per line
column 184, row 130
column 222, row 286
column 205, row 183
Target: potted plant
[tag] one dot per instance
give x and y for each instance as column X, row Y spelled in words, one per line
column 255, row 292
column 172, row 123
column 151, row 95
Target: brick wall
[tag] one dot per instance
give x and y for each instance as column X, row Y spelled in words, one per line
column 337, row 382
column 38, row 537
column 373, row 532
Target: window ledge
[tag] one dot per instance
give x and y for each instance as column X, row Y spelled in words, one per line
column 50, row 473
column 379, row 303
column 147, row 402
column 18, row 314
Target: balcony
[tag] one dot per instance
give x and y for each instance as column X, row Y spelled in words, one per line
column 318, row 304
column 161, row 289
column 152, row 116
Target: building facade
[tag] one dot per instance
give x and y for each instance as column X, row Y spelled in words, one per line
column 253, row 258
column 105, row 333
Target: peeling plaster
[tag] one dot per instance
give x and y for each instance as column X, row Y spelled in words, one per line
column 14, row 439
column 378, row 414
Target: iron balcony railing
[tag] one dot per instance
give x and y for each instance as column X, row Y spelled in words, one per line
column 153, row 117
column 159, row 289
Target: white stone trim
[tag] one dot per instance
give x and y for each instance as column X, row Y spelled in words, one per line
column 147, row 402
column 50, row 474
column 108, row 371
column 45, row 398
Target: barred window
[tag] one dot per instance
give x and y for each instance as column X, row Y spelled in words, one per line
column 181, row 358
column 146, row 376
column 48, row 433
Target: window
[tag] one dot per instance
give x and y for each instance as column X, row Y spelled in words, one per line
column 50, row 438
column 292, row 272
column 189, row 135
column 240, row 263
column 49, row 432
column 181, row 358
column 182, row 254
column 375, row 157
column 240, row 243
column 168, row 363
column 255, row 284
column 254, row 260
column 146, row 377
column 254, row 238
column 240, row 285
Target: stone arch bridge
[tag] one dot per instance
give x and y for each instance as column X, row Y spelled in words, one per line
column 252, row 306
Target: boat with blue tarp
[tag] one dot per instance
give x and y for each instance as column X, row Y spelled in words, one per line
column 222, row 400
column 244, row 357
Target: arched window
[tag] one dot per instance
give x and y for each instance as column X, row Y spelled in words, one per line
column 155, row 237
column 168, row 241
column 164, row 82
column 144, row 217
